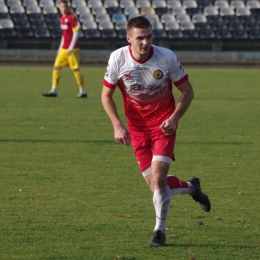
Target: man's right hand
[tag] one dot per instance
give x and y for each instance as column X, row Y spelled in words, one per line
column 122, row 135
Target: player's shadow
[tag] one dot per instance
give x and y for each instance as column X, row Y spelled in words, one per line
column 56, row 141
column 214, row 143
column 109, row 141
column 185, row 246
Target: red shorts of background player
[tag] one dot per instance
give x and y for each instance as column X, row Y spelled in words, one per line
column 147, row 144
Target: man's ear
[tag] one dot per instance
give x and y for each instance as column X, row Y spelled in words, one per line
column 128, row 38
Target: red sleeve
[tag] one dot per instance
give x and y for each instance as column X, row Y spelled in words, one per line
column 73, row 22
column 107, row 84
column 179, row 82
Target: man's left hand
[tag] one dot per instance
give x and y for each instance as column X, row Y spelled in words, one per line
column 168, row 126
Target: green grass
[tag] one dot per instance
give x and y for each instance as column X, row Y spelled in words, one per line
column 69, row 191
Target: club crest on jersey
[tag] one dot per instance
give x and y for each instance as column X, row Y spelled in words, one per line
column 158, row 74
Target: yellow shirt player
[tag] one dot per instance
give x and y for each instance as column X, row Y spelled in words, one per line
column 68, row 53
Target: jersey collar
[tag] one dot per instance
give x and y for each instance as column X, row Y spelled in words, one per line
column 141, row 62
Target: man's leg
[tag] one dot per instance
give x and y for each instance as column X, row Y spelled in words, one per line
column 161, row 200
column 154, row 169
column 80, row 81
column 163, row 187
column 55, row 79
column 177, row 186
column 60, row 62
column 74, row 58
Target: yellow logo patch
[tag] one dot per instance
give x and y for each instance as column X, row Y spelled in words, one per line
column 158, row 74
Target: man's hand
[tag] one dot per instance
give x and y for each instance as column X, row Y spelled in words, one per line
column 169, row 126
column 122, row 135
column 69, row 52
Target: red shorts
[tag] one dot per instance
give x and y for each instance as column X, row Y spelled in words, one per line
column 146, row 144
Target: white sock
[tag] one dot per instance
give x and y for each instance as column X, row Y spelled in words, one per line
column 161, row 201
column 54, row 89
column 191, row 189
column 82, row 91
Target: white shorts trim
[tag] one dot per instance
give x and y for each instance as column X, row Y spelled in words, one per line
column 147, row 172
column 162, row 158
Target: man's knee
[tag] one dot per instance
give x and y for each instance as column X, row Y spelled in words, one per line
column 159, row 180
column 159, row 173
column 56, row 68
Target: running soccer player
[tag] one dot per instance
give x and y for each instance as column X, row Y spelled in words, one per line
column 144, row 74
column 68, row 52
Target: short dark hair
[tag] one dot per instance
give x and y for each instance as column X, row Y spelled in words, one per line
column 138, row 22
column 65, row 2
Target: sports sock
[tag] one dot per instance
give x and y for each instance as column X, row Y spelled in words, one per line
column 161, row 201
column 55, row 77
column 79, row 78
column 179, row 187
column 82, row 91
column 54, row 89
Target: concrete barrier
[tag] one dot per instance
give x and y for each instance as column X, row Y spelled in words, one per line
column 182, row 55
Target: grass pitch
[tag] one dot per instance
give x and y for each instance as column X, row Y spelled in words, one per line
column 69, row 191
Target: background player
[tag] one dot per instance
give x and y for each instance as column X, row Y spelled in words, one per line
column 144, row 73
column 68, row 53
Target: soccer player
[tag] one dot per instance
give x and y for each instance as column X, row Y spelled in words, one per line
column 144, row 74
column 68, row 52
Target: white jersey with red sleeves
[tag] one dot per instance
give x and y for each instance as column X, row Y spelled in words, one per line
column 146, row 86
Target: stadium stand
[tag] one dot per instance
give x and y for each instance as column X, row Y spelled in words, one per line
column 207, row 33
column 173, row 3
column 191, row 7
column 25, row 33
column 142, row 3
column 160, row 7
column 171, row 26
column 118, row 17
column 255, row 34
column 205, row 20
column 121, row 33
column 92, row 34
column 94, row 3
column 235, row 4
column 175, row 34
column 109, row 34
column 147, row 10
column 220, row 4
column 126, row 3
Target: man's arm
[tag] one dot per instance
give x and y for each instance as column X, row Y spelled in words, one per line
column 73, row 40
column 169, row 125
column 61, row 44
column 121, row 133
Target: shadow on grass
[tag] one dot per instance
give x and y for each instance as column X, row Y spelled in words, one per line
column 215, row 143
column 56, row 141
column 223, row 98
column 185, row 246
column 111, row 141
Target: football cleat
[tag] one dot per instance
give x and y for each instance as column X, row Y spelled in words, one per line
column 50, row 94
column 199, row 196
column 158, row 239
column 82, row 95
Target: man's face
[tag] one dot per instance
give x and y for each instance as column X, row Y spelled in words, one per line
column 141, row 41
column 64, row 8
